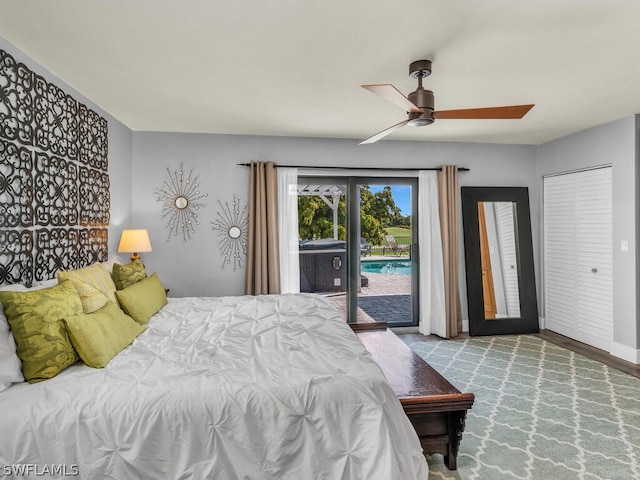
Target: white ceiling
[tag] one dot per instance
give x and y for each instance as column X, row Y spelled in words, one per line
column 294, row 67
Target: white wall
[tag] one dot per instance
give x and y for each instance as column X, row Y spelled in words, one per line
column 613, row 143
column 194, row 268
column 119, row 138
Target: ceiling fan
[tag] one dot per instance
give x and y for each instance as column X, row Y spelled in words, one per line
column 419, row 104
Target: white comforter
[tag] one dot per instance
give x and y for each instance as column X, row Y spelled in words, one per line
column 273, row 387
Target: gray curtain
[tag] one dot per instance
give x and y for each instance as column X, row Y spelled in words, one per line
column 448, row 203
column 263, row 262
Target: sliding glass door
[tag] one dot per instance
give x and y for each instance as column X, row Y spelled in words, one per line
column 358, row 246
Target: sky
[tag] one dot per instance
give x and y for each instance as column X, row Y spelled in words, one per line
column 401, row 195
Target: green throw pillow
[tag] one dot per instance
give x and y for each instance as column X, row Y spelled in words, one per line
column 101, row 335
column 126, row 275
column 141, row 300
column 94, row 285
column 42, row 340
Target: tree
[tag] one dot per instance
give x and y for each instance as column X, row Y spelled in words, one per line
column 401, row 221
column 377, row 211
column 315, row 218
column 380, row 204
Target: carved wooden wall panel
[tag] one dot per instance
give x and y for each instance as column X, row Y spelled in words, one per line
column 54, row 181
column 16, row 255
column 16, row 186
column 57, row 249
column 16, row 100
column 93, row 139
column 56, row 120
column 93, row 246
column 56, row 191
column 94, row 197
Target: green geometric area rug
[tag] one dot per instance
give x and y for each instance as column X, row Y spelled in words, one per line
column 541, row 411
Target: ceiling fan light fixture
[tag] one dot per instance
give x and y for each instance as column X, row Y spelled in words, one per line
column 420, row 119
column 420, row 105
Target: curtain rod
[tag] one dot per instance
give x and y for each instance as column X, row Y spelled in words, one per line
column 460, row 169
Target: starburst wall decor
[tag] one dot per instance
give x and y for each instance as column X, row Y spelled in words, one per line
column 180, row 197
column 231, row 224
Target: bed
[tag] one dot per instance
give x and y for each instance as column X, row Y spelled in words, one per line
column 268, row 387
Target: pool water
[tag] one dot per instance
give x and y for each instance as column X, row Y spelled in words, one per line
column 394, row 267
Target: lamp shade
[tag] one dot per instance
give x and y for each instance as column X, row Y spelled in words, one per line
column 134, row 241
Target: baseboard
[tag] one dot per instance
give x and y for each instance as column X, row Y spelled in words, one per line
column 625, row 352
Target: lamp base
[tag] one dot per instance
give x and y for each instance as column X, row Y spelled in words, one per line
column 135, row 256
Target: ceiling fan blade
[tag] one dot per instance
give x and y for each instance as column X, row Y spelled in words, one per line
column 508, row 112
column 384, row 133
column 391, row 93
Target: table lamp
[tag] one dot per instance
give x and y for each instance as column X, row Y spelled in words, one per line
column 134, row 241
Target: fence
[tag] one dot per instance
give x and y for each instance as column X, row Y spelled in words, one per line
column 403, row 244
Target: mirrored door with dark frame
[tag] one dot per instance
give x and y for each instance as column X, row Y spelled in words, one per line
column 501, row 289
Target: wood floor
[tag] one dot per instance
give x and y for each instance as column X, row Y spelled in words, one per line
column 555, row 338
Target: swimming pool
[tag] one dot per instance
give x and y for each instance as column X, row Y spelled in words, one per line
column 394, row 267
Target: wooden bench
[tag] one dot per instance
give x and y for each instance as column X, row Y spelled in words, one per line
column 436, row 408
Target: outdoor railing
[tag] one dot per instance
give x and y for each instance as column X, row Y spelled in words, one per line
column 403, row 240
column 379, row 250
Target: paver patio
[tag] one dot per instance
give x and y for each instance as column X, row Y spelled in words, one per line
column 386, row 299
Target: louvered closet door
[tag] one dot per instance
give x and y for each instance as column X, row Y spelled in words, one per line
column 595, row 257
column 560, row 276
column 578, row 256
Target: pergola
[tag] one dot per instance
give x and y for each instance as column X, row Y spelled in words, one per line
column 330, row 194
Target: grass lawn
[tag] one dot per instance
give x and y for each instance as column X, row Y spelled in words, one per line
column 398, row 232
column 403, row 235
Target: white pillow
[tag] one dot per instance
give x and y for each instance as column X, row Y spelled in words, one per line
column 10, row 364
column 13, row 288
column 40, row 284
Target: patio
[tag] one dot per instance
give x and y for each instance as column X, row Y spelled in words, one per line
column 386, row 299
